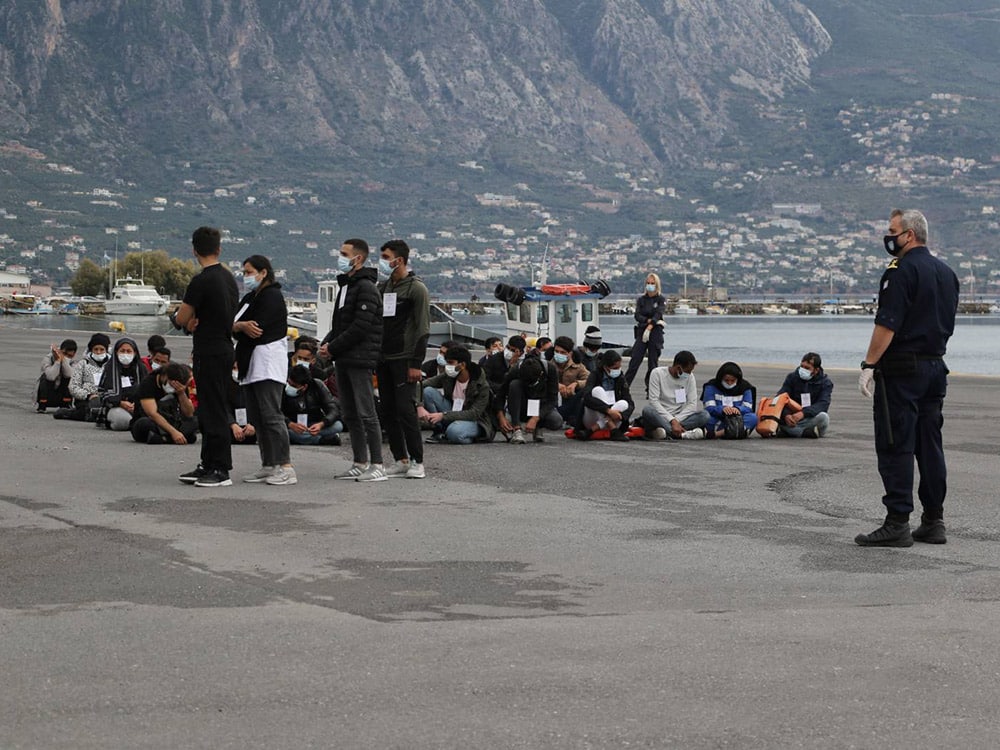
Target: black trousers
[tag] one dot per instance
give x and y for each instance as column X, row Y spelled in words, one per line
column 399, row 410
column 213, row 373
column 914, row 414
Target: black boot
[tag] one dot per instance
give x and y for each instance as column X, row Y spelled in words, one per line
column 930, row 531
column 894, row 532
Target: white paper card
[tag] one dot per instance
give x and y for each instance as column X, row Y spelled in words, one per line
column 126, row 381
column 727, row 401
column 241, row 417
column 342, row 298
column 534, row 407
column 97, row 378
column 806, row 399
column 457, row 404
column 680, row 395
column 242, row 310
column 302, row 419
column 389, row 305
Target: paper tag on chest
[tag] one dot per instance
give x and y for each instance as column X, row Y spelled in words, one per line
column 534, row 407
column 389, row 305
column 457, row 404
column 126, row 381
column 806, row 399
column 302, row 419
column 241, row 417
column 342, row 298
column 727, row 401
column 97, row 378
column 680, row 395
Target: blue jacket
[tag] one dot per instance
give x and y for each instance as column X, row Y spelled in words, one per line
column 712, row 398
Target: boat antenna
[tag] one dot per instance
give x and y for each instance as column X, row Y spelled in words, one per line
column 543, row 268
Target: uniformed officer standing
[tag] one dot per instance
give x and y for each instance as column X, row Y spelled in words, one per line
column 905, row 370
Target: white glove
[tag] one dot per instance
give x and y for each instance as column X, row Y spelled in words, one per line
column 866, row 383
column 645, row 336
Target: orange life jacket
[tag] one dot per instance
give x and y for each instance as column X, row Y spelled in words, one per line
column 769, row 411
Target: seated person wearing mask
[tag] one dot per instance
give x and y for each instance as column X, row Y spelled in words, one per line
column 572, row 380
column 435, row 366
column 165, row 413
column 153, row 344
column 674, row 409
column 498, row 365
column 119, row 383
column 493, row 344
column 460, row 412
column 312, row 414
column 607, row 401
column 587, row 353
column 53, row 384
column 159, row 358
column 305, row 355
column 85, row 381
column 810, row 387
column 530, row 394
column 725, row 396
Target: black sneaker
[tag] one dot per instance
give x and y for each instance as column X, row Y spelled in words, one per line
column 193, row 476
column 619, row 436
column 214, row 478
column 889, row 534
column 930, row 531
column 330, row 440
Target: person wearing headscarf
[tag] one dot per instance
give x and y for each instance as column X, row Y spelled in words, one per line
column 729, row 400
column 119, row 383
column 84, row 382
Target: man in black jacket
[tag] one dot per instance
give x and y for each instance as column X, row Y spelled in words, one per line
column 354, row 344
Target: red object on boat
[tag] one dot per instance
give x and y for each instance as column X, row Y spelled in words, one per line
column 566, row 289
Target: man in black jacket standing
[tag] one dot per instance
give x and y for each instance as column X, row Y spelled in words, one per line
column 354, row 344
column 207, row 311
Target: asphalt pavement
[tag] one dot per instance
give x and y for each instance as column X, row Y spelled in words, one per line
column 562, row 595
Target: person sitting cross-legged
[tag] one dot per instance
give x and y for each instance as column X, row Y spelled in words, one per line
column 607, row 401
column 529, row 394
column 165, row 413
column 458, row 402
column 730, row 402
column 811, row 388
column 674, row 410
column 312, row 414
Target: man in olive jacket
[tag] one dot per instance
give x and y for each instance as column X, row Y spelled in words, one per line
column 406, row 326
column 354, row 344
column 460, row 410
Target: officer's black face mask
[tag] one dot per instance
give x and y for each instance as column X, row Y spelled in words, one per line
column 893, row 244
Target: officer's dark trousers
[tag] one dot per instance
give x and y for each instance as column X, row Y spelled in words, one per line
column 399, row 410
column 914, row 406
column 212, row 374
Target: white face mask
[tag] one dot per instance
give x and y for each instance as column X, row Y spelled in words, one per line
column 804, row 373
column 292, row 391
column 99, row 358
column 236, row 376
column 451, row 371
column 154, row 366
column 508, row 355
column 168, row 389
column 126, row 359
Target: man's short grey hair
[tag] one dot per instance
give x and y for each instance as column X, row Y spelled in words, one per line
column 912, row 219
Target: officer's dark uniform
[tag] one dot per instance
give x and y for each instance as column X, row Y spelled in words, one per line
column 918, row 299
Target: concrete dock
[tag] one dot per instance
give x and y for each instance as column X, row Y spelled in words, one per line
column 565, row 595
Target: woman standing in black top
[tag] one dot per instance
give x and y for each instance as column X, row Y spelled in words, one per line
column 260, row 328
column 649, row 326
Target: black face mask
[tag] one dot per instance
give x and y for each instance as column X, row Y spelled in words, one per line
column 891, row 243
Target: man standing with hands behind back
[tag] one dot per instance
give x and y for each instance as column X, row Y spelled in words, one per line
column 208, row 311
column 905, row 371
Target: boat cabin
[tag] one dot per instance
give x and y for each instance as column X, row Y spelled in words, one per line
column 551, row 310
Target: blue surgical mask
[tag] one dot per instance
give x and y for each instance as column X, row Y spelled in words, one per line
column 344, row 264
column 385, row 267
column 560, row 359
column 650, row 287
column 615, row 373
column 805, row 374
column 441, row 360
column 682, row 375
column 250, row 283
column 154, row 366
column 292, row 391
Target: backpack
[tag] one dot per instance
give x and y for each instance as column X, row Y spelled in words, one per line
column 734, row 427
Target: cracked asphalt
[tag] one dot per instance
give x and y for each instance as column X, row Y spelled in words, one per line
column 563, row 595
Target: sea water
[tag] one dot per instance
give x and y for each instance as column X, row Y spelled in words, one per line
column 841, row 340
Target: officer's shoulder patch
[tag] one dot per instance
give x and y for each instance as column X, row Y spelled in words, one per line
column 894, row 263
column 364, row 306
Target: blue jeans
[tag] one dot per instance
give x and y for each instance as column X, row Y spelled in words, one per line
column 305, row 438
column 821, row 420
column 651, row 419
column 461, row 432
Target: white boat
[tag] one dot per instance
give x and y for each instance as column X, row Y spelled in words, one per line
column 684, row 307
column 132, row 297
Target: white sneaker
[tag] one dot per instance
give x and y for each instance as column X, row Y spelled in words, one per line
column 353, row 473
column 416, row 471
column 282, row 475
column 697, row 433
column 398, row 470
column 260, row 475
column 517, row 437
column 658, row 433
column 374, row 473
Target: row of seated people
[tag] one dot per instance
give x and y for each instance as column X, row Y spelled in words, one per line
column 552, row 388
column 156, row 399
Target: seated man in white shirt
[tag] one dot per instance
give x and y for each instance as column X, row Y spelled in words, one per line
column 674, row 409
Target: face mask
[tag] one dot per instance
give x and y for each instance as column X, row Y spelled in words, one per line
column 650, row 287
column 168, row 389
column 126, row 359
column 892, row 244
column 99, row 358
column 344, row 264
column 451, row 371
column 508, row 355
column 236, row 376
column 560, row 359
column 292, row 391
column 385, row 267
column 154, row 366
column 728, row 386
column 805, row 374
column 250, row 283
column 590, row 352
column 302, row 363
column 441, row 360
column 682, row 376
column 615, row 373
